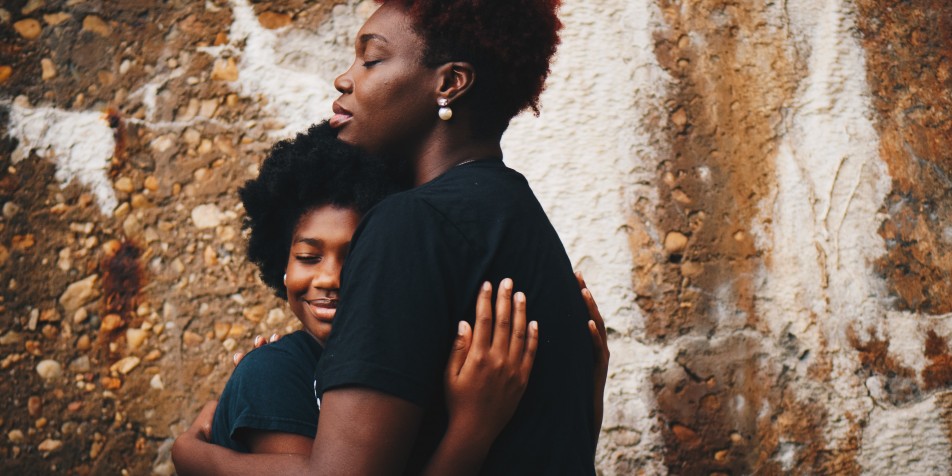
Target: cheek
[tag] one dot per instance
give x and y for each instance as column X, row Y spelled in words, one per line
column 295, row 279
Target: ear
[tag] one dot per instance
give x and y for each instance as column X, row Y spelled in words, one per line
column 456, row 78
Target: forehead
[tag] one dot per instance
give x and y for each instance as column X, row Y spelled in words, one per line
column 327, row 221
column 390, row 24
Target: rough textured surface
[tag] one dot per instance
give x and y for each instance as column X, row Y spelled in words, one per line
column 910, row 75
column 758, row 192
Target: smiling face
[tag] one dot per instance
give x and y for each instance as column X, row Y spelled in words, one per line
column 319, row 246
column 388, row 96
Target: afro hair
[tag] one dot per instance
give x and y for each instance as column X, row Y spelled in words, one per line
column 311, row 170
column 509, row 42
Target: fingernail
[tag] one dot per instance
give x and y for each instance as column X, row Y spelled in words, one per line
column 506, row 283
column 258, row 340
column 461, row 328
column 534, row 326
column 274, row 338
column 486, row 286
column 520, row 297
column 234, row 358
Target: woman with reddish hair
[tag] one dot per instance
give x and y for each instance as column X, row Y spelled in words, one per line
column 432, row 89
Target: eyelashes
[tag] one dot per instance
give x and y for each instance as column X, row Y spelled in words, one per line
column 309, row 258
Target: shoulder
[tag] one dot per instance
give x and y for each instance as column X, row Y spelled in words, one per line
column 409, row 202
column 292, row 354
column 402, row 215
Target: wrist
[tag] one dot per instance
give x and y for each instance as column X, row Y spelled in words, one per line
column 475, row 435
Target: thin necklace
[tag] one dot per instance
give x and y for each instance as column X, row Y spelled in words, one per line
column 465, row 162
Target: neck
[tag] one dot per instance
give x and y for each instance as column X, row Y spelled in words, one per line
column 447, row 151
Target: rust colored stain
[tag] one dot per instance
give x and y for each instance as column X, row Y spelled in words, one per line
column 901, row 385
column 909, row 57
column 938, row 374
column 726, row 408
column 122, row 279
column 842, row 459
column 724, row 121
column 303, row 13
column 119, row 135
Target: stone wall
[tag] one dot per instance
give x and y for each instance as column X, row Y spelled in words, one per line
column 759, row 194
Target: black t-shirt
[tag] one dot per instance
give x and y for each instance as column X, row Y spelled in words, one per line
column 272, row 389
column 417, row 261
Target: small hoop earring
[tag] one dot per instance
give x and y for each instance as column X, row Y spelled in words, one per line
column 445, row 112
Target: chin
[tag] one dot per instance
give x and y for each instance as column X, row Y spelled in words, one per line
column 320, row 334
column 345, row 136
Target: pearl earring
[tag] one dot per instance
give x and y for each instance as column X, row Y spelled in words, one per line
column 445, row 112
column 285, row 279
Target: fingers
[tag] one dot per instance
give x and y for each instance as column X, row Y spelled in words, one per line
column 532, row 343
column 517, row 342
column 257, row 342
column 203, row 423
column 260, row 341
column 594, row 314
column 597, row 343
column 581, row 280
column 500, row 344
column 461, row 345
column 482, row 334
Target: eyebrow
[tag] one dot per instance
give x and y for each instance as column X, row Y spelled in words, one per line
column 310, row 241
column 366, row 37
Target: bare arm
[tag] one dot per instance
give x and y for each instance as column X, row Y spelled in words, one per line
column 486, row 375
column 363, row 431
column 260, row 441
column 194, row 455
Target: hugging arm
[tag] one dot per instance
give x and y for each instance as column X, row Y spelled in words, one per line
column 193, row 454
column 487, row 372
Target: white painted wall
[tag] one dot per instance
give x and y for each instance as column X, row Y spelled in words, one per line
column 81, row 144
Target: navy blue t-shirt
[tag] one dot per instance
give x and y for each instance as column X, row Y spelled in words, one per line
column 416, row 263
column 272, row 389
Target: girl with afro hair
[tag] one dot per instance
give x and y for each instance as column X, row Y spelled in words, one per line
column 301, row 212
column 432, row 89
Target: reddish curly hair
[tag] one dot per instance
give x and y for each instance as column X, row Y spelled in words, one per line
column 510, row 43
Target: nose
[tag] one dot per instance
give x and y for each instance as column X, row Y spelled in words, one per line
column 343, row 83
column 327, row 276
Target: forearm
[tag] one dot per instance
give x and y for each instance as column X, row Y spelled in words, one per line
column 460, row 452
column 599, row 413
column 193, row 456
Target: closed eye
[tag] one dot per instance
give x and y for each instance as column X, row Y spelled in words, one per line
column 309, row 258
column 369, row 64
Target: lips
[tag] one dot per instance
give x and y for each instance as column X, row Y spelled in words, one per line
column 323, row 309
column 341, row 116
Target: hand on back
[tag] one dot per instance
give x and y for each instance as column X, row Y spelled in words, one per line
column 489, row 365
column 489, row 368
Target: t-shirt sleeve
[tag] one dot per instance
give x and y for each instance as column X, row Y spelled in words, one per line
column 272, row 390
column 394, row 324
